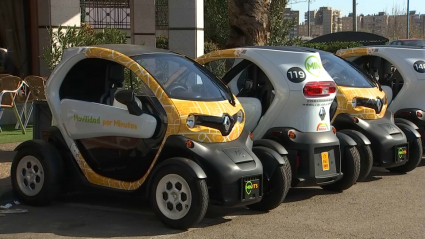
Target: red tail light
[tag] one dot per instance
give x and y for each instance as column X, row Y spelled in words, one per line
column 319, row 88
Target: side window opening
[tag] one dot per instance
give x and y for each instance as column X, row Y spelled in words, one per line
column 251, row 81
column 85, row 81
column 383, row 71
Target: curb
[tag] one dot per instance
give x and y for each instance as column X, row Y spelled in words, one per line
column 7, row 156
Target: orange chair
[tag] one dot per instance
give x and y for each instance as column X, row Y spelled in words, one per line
column 9, row 88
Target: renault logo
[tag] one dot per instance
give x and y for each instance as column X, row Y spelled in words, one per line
column 322, row 113
column 379, row 104
column 226, row 123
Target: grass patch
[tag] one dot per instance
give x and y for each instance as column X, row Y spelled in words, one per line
column 12, row 135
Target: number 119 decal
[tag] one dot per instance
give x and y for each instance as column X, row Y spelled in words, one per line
column 296, row 74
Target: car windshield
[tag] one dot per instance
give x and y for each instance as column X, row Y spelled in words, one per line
column 414, row 43
column 182, row 78
column 343, row 73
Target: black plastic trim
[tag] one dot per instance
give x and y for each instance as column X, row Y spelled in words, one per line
column 271, row 145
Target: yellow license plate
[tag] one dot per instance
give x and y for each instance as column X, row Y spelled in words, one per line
column 325, row 161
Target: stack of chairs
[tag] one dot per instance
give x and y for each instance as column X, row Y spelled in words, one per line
column 10, row 87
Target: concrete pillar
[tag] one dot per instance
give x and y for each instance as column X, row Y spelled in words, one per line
column 186, row 27
column 142, row 22
column 54, row 13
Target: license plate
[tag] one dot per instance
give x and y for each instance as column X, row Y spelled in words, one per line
column 251, row 189
column 325, row 161
column 401, row 153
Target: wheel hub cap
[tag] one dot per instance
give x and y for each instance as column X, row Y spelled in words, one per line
column 173, row 196
column 30, row 175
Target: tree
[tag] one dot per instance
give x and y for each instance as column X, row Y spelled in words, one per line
column 216, row 22
column 249, row 22
column 66, row 37
column 280, row 26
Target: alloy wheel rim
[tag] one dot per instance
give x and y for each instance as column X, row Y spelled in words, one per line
column 30, row 175
column 173, row 196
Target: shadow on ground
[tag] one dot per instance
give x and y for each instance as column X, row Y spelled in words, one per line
column 97, row 215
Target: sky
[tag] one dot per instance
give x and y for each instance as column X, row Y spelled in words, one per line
column 363, row 6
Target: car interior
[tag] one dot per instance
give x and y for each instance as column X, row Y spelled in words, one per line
column 253, row 89
column 121, row 158
column 384, row 72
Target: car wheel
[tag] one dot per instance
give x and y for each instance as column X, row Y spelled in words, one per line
column 276, row 189
column 36, row 174
column 366, row 161
column 350, row 167
column 415, row 157
column 178, row 199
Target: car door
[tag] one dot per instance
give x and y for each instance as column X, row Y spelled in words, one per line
column 111, row 140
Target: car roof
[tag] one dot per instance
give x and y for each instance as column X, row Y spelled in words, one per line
column 410, row 39
column 282, row 48
column 133, row 50
column 389, row 46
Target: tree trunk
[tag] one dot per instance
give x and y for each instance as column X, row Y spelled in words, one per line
column 249, row 22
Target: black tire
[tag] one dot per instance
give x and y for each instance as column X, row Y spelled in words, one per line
column 366, row 161
column 276, row 189
column 52, row 170
column 350, row 168
column 415, row 157
column 200, row 198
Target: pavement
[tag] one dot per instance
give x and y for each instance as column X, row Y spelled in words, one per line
column 386, row 205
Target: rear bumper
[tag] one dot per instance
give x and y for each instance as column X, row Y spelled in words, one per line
column 305, row 155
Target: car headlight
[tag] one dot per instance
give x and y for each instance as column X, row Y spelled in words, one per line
column 190, row 121
column 240, row 116
column 354, row 102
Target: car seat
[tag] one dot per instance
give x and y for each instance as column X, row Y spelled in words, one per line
column 114, row 80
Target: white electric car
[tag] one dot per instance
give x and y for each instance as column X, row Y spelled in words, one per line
column 286, row 94
column 401, row 72
column 132, row 118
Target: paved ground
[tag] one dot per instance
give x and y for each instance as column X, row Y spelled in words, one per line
column 387, row 206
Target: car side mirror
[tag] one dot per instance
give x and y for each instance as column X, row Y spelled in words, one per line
column 128, row 98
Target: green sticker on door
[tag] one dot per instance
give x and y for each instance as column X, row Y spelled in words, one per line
column 313, row 65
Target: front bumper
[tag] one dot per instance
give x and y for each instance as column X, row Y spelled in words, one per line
column 305, row 155
column 384, row 135
column 416, row 116
column 227, row 166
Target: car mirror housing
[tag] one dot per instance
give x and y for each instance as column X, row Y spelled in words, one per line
column 128, row 98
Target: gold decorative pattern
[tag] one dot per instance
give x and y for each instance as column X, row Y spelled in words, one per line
column 217, row 55
column 214, row 108
column 345, row 96
column 176, row 110
column 361, row 51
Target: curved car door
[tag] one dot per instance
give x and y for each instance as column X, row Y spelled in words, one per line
column 114, row 143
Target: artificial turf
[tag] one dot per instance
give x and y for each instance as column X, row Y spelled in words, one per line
column 11, row 135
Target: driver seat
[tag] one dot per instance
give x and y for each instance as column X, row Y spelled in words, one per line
column 114, row 80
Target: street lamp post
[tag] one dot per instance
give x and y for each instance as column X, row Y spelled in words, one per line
column 354, row 16
column 408, row 18
column 308, row 18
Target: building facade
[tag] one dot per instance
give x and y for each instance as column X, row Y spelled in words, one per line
column 322, row 21
column 315, row 30
column 292, row 16
column 24, row 25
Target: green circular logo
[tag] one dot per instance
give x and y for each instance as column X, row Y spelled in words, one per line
column 313, row 65
column 248, row 187
column 400, row 152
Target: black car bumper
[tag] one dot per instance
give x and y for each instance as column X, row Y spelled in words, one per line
column 305, row 155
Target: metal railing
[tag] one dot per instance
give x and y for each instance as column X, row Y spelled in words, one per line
column 106, row 13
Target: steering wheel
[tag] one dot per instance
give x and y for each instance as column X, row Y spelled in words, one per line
column 176, row 87
column 341, row 79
